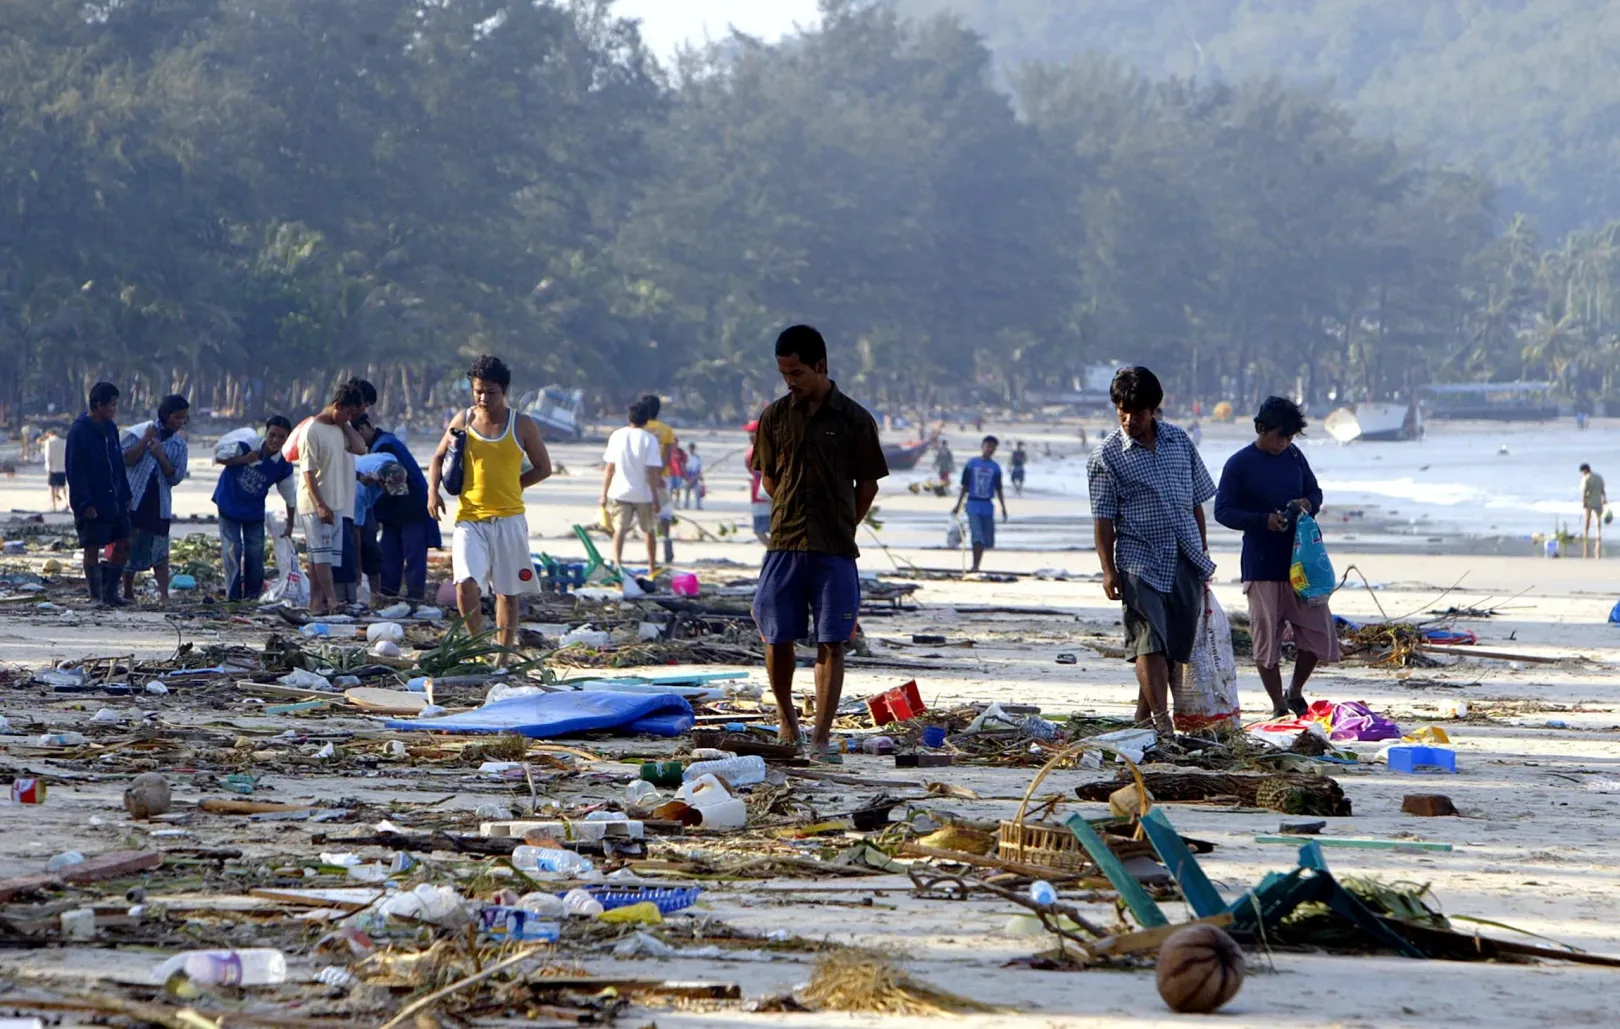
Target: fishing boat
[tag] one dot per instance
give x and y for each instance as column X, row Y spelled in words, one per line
column 557, row 411
column 1375, row 421
column 904, row 456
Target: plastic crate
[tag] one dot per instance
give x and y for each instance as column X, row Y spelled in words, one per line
column 896, row 705
column 669, row 899
column 1411, row 760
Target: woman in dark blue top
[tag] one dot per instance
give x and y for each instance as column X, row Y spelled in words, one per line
column 1264, row 487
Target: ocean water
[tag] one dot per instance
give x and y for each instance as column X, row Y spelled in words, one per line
column 1466, row 479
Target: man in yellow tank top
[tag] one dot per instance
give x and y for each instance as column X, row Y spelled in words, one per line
column 490, row 548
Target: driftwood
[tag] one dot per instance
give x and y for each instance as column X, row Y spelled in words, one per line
column 1290, row 793
column 426, row 843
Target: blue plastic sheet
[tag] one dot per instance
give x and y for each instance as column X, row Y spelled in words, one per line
column 559, row 714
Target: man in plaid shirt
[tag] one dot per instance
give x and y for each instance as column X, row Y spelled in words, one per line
column 1148, row 485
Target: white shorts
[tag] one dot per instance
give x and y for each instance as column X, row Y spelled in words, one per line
column 495, row 554
column 325, row 542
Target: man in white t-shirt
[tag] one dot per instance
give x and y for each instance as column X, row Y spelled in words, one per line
column 632, row 479
column 56, row 466
column 326, row 489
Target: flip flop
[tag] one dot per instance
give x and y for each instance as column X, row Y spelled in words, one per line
column 827, row 755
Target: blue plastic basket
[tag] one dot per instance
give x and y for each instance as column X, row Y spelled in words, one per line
column 669, row 899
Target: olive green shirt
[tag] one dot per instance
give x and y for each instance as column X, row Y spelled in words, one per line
column 815, row 461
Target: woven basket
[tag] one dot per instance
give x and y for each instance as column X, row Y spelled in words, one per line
column 1051, row 844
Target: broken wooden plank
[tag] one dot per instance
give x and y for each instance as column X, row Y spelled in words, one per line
column 1500, row 655
column 1146, row 940
column 223, row 806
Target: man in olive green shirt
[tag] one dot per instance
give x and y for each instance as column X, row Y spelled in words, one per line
column 1594, row 498
column 819, row 459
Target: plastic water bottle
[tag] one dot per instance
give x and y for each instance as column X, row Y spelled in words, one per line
column 260, row 966
column 549, row 859
column 738, row 771
column 313, row 629
column 1043, row 892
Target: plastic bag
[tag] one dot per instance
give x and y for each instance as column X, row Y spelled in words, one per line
column 1311, row 573
column 953, row 536
column 291, row 588
column 1205, row 693
column 237, row 442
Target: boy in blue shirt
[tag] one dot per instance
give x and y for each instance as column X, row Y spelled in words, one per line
column 981, row 488
column 240, row 495
column 1263, row 487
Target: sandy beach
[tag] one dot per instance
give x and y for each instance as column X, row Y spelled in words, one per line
column 1538, row 782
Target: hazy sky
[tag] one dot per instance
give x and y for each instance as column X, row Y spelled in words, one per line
column 667, row 23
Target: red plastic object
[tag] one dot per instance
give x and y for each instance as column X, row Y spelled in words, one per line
column 896, row 705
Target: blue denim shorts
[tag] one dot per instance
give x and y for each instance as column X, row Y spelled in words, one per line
column 795, row 585
column 982, row 529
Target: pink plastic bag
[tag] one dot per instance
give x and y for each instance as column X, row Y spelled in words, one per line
column 684, row 585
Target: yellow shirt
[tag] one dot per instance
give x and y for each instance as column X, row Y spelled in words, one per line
column 666, row 439
column 492, row 484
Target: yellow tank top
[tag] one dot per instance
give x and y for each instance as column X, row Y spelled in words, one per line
column 492, row 486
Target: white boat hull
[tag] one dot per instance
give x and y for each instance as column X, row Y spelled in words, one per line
column 1374, row 422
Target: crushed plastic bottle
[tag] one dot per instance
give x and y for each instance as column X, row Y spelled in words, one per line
column 641, row 792
column 1043, row 892
column 315, row 630
column 258, row 966
column 332, row 975
column 533, row 860
column 393, row 632
column 544, row 905
column 738, row 771
column 305, row 680
column 394, row 612
column 66, row 859
column 581, row 904
column 157, row 688
column 60, row 739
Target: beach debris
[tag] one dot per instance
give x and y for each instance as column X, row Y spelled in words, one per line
column 1414, row 759
column 147, row 796
column 1199, row 969
column 863, row 980
column 1428, row 805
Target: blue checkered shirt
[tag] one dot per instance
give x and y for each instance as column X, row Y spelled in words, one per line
column 1149, row 495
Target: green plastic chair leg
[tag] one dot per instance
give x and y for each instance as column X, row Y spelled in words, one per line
column 1130, row 891
column 1195, row 885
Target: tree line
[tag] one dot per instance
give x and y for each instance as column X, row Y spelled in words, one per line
column 247, row 200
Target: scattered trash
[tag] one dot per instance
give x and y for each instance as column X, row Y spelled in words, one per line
column 261, row 966
column 66, row 859
column 1199, row 969
column 147, row 796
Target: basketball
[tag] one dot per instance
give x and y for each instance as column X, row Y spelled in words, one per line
column 1200, row 968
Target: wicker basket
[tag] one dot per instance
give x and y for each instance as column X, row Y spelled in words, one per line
column 1051, row 844
column 1043, row 844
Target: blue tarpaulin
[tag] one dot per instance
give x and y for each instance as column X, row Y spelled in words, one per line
column 559, row 714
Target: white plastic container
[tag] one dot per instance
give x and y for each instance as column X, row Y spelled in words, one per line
column 259, row 966
column 730, row 813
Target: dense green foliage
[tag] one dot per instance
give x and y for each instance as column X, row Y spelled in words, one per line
column 247, row 199
column 1518, row 89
